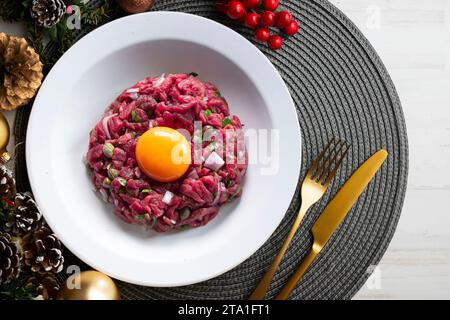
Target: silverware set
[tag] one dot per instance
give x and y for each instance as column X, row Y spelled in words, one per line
column 314, row 186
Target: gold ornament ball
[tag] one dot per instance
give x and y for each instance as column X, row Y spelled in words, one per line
column 4, row 139
column 92, row 285
column 135, row 6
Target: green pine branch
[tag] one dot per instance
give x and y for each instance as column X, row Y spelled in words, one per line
column 6, row 214
column 96, row 16
column 51, row 43
column 17, row 290
column 11, row 11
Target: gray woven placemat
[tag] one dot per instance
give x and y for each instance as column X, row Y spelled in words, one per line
column 342, row 89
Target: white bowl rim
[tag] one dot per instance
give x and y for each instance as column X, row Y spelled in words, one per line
column 36, row 157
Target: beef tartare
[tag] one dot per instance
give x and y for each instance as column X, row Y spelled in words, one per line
column 201, row 114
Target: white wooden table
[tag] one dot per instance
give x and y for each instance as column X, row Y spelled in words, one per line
column 413, row 39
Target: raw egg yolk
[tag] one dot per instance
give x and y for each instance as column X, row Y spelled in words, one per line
column 163, row 154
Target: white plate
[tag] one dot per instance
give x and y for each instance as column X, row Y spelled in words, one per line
column 89, row 77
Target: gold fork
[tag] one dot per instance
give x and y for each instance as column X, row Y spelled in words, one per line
column 316, row 182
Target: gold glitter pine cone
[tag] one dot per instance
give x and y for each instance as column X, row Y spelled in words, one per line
column 20, row 72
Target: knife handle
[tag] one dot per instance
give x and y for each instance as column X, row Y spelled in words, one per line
column 295, row 278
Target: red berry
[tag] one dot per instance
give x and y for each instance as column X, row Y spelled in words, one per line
column 236, row 10
column 291, row 28
column 282, row 19
column 270, row 5
column 252, row 20
column 267, row 18
column 251, row 4
column 262, row 34
column 275, row 42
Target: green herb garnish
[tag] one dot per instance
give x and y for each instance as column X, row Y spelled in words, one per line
column 218, row 94
column 112, row 173
column 185, row 213
column 108, row 150
column 146, row 191
column 122, row 181
column 106, row 182
column 133, row 115
column 208, row 112
column 231, row 198
column 142, row 217
column 153, row 223
column 193, row 74
column 226, row 121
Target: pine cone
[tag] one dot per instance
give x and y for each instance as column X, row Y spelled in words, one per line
column 47, row 13
column 26, row 215
column 7, row 184
column 45, row 285
column 20, row 72
column 42, row 251
column 9, row 259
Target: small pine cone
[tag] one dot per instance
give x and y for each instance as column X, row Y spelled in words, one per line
column 42, row 251
column 44, row 285
column 9, row 259
column 47, row 13
column 7, row 184
column 27, row 217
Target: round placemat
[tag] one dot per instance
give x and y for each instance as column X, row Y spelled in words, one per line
column 341, row 89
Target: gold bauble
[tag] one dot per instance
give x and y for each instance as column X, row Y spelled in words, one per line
column 4, row 139
column 92, row 285
column 135, row 6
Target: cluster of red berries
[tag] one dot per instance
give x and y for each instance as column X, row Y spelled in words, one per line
column 260, row 15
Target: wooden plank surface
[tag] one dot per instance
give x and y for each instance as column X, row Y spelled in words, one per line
column 413, row 40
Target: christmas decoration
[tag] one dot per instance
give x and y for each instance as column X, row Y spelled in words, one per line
column 20, row 72
column 42, row 251
column 135, row 6
column 27, row 217
column 4, row 139
column 49, row 29
column 6, row 214
column 9, row 259
column 17, row 290
column 263, row 16
column 89, row 285
column 47, row 13
column 45, row 285
column 7, row 184
column 30, row 254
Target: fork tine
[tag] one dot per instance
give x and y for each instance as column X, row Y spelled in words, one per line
column 337, row 165
column 326, row 160
column 316, row 162
column 325, row 168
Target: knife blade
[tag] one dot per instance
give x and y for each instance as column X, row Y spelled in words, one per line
column 334, row 213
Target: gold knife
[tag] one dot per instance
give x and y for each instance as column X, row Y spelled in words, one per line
column 334, row 213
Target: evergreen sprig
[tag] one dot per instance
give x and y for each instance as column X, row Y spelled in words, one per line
column 95, row 16
column 6, row 213
column 51, row 43
column 11, row 11
column 17, row 290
